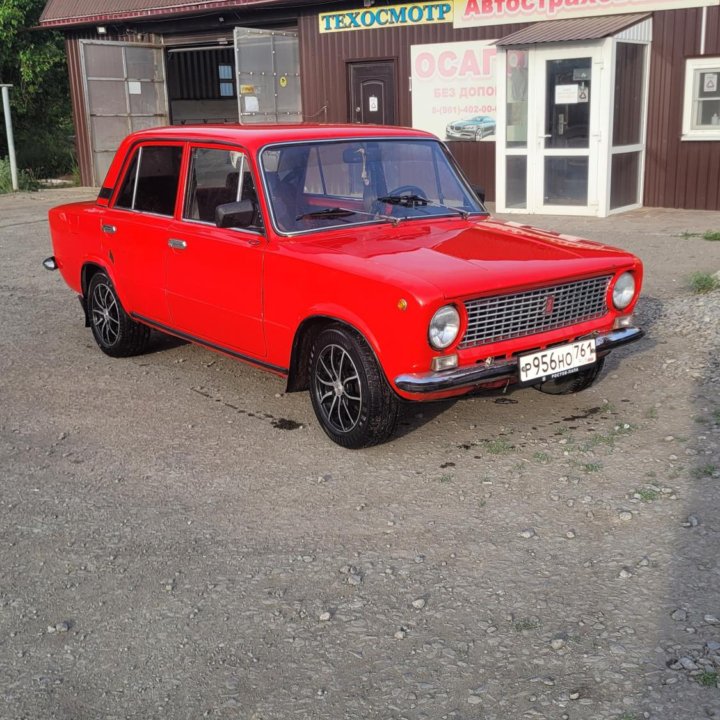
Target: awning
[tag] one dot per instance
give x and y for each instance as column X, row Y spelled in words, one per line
column 590, row 28
column 90, row 12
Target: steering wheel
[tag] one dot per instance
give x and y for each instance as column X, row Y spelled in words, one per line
column 409, row 190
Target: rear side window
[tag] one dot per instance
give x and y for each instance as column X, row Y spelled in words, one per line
column 151, row 181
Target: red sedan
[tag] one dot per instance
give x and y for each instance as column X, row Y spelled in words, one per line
column 355, row 261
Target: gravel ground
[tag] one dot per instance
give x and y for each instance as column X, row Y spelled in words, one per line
column 178, row 539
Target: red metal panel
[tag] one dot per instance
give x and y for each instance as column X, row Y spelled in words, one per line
column 77, row 97
column 86, row 12
column 681, row 174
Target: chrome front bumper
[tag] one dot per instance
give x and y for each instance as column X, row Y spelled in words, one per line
column 460, row 134
column 432, row 382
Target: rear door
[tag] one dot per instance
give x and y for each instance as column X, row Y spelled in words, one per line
column 136, row 227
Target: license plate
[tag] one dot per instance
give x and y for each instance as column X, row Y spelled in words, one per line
column 557, row 361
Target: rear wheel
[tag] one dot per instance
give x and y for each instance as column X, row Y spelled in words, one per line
column 575, row 383
column 349, row 393
column 114, row 331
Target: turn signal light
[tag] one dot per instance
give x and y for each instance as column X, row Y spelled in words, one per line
column 444, row 362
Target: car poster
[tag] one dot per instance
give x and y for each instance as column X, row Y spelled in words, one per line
column 453, row 89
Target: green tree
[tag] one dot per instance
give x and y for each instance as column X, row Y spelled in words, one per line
column 33, row 61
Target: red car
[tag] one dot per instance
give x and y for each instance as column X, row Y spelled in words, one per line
column 357, row 262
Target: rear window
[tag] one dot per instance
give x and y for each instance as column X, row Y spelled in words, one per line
column 151, row 181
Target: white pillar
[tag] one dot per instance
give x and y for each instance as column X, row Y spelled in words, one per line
column 9, row 132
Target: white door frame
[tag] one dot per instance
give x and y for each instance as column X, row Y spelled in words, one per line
column 598, row 152
column 642, row 145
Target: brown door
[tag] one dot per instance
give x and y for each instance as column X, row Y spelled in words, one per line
column 372, row 92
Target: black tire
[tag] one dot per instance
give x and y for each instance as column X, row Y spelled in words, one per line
column 114, row 331
column 572, row 383
column 350, row 395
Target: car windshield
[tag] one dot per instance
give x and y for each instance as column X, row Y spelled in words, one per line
column 318, row 185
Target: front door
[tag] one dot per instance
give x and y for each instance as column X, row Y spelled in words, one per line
column 567, row 130
column 372, row 92
column 214, row 275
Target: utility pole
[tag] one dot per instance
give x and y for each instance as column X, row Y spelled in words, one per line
column 9, row 132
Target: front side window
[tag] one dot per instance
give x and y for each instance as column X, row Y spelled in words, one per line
column 218, row 177
column 151, row 180
column 701, row 116
column 328, row 184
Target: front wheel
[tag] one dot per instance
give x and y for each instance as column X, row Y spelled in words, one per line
column 350, row 395
column 572, row 383
column 115, row 332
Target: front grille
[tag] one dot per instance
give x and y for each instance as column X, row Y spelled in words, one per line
column 502, row 317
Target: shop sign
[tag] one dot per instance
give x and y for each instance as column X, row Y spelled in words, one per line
column 392, row 16
column 453, row 89
column 471, row 13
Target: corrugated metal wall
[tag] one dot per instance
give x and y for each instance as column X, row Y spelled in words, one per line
column 679, row 174
column 323, row 59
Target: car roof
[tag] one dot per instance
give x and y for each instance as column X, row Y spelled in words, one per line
column 257, row 136
column 252, row 138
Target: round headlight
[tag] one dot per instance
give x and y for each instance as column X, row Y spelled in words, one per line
column 624, row 291
column 444, row 327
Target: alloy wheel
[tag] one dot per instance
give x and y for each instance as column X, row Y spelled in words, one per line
column 105, row 314
column 338, row 389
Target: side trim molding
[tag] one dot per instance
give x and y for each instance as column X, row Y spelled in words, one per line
column 212, row 346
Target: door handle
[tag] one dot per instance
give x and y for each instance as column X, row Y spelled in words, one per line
column 177, row 244
column 549, row 135
column 254, row 242
column 109, row 229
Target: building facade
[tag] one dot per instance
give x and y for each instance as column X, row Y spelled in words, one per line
column 553, row 106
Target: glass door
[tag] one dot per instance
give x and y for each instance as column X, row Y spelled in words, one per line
column 564, row 155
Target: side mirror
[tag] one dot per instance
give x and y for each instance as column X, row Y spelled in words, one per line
column 235, row 214
column 479, row 190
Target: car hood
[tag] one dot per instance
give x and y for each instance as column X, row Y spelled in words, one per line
column 462, row 258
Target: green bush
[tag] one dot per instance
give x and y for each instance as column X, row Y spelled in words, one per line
column 26, row 178
column 49, row 152
column 702, row 282
column 34, row 63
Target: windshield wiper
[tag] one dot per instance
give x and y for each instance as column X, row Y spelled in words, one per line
column 340, row 212
column 326, row 212
column 412, row 201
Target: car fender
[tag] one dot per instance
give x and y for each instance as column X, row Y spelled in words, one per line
column 108, row 269
column 342, row 314
column 388, row 356
column 304, row 337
